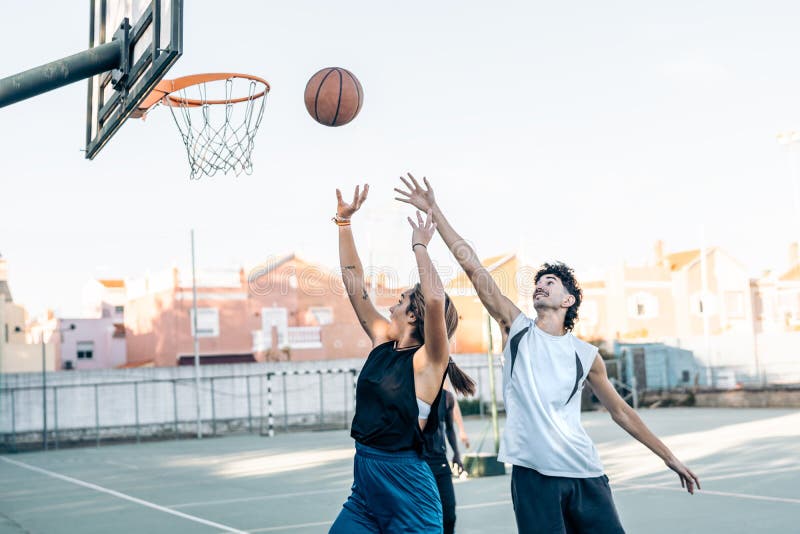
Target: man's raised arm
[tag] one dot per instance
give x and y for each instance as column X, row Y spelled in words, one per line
column 500, row 307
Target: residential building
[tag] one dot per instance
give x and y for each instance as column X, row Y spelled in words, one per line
column 19, row 353
column 285, row 309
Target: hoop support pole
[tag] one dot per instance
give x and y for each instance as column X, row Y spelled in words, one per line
column 61, row 72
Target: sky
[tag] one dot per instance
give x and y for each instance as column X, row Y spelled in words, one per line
column 580, row 131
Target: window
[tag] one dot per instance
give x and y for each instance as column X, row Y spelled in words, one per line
column 207, row 322
column 642, row 306
column 85, row 350
column 323, row 314
column 685, row 376
column 119, row 309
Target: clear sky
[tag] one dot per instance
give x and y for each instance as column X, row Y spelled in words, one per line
column 583, row 131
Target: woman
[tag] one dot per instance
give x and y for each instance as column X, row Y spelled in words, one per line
column 398, row 391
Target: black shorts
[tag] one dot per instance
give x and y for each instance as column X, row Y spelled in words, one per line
column 544, row 504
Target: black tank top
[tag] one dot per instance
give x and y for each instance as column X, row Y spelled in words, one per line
column 386, row 405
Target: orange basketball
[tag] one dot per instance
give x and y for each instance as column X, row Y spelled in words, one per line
column 334, row 96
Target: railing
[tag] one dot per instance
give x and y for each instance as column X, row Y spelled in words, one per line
column 296, row 337
column 135, row 410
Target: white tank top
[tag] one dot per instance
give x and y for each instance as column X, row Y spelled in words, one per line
column 543, row 376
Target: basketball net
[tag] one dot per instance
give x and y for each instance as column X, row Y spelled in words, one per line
column 218, row 116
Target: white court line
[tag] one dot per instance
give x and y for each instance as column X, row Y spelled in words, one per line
column 122, row 496
column 482, row 505
column 292, row 527
column 626, row 486
column 257, row 498
column 304, row 525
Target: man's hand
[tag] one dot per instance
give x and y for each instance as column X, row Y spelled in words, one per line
column 345, row 210
column 416, row 195
column 688, row 479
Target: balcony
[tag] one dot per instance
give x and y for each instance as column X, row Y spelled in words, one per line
column 295, row 337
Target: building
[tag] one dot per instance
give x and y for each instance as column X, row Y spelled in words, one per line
column 20, row 352
column 285, row 309
column 514, row 280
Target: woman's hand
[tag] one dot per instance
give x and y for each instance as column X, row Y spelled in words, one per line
column 345, row 210
column 423, row 230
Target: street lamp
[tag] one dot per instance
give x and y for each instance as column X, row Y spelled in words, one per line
column 44, row 381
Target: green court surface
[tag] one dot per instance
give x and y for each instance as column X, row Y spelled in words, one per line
column 747, row 461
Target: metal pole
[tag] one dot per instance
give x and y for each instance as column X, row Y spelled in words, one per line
column 704, row 303
column 55, row 414
column 495, row 427
column 14, row 418
column 249, row 410
column 321, row 401
column 136, row 405
column 261, row 405
column 270, row 422
column 44, row 393
column 481, row 409
column 175, row 407
column 196, row 342
column 346, row 392
column 285, row 403
column 61, row 72
column 96, row 417
column 213, row 410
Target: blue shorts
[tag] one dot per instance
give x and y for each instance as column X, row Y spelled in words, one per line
column 393, row 492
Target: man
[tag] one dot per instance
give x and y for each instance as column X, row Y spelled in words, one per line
column 557, row 480
column 435, row 454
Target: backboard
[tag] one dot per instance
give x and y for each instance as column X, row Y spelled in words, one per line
column 154, row 35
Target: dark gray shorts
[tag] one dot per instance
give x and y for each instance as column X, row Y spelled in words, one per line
column 544, row 504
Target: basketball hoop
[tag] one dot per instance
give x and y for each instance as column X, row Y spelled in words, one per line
column 217, row 115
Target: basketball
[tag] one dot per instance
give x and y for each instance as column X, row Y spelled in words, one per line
column 333, row 96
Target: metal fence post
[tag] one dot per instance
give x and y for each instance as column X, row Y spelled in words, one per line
column 249, row 410
column 55, row 414
column 270, row 423
column 321, row 400
column 480, row 393
column 14, row 418
column 136, row 407
column 175, row 406
column 346, row 395
column 261, row 405
column 96, row 416
column 285, row 403
column 634, row 393
column 213, row 410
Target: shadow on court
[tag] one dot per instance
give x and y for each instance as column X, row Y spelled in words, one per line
column 296, row 483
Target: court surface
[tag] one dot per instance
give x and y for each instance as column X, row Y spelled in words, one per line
column 747, row 461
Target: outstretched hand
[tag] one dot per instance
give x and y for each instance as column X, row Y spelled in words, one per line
column 423, row 230
column 345, row 210
column 420, row 197
column 688, row 479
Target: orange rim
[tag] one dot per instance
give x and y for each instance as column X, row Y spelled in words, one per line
column 164, row 89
